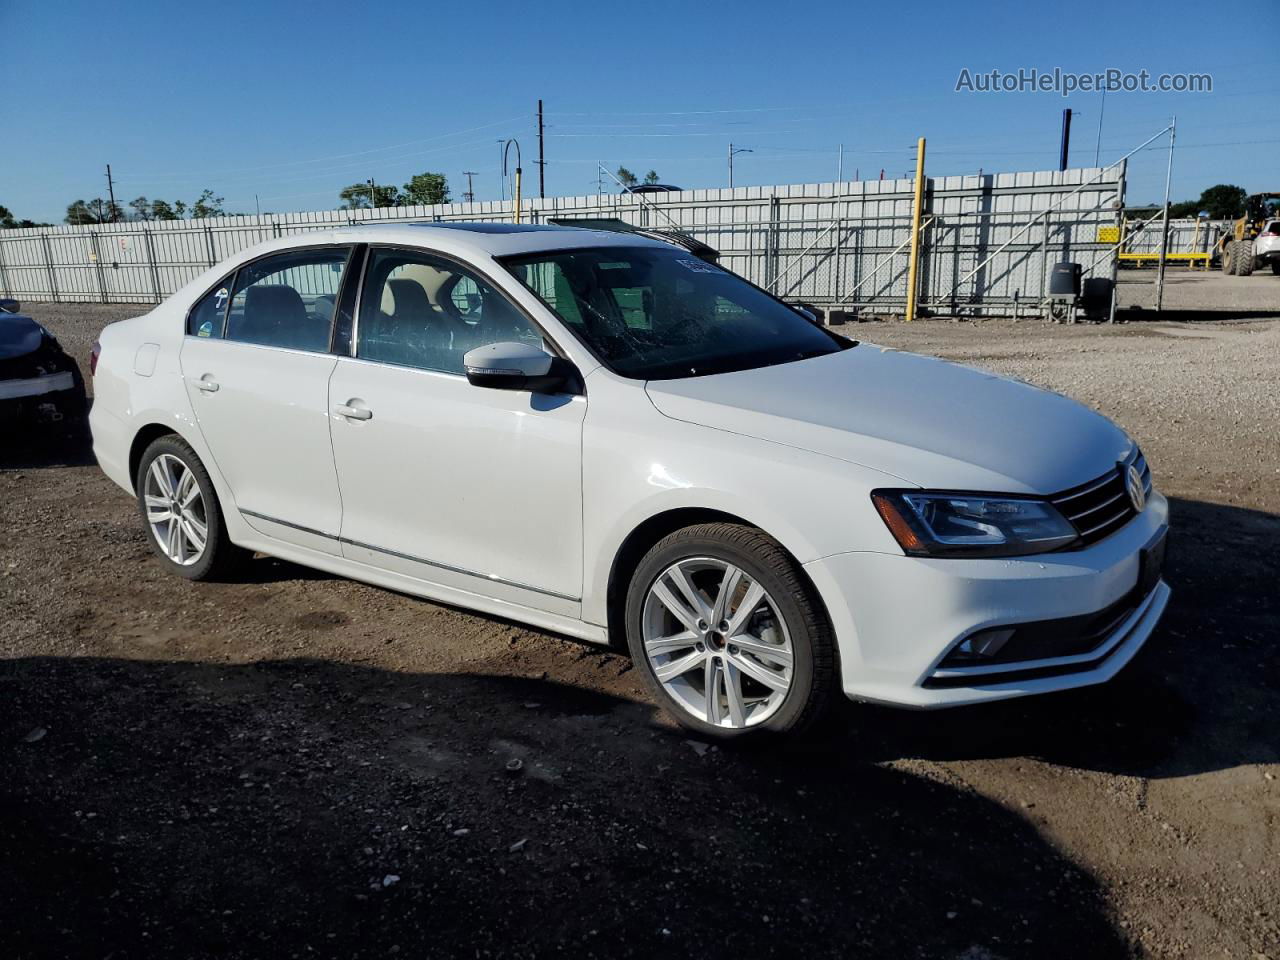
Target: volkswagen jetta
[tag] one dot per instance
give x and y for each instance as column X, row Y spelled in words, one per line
column 604, row 436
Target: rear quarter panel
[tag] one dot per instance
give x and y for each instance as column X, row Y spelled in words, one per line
column 139, row 383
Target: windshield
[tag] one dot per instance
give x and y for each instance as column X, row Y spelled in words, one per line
column 656, row 314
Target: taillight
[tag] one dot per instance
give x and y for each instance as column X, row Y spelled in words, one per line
column 93, row 358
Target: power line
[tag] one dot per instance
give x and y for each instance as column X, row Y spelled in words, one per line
column 336, row 156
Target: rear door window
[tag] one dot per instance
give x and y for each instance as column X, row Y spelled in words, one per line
column 287, row 300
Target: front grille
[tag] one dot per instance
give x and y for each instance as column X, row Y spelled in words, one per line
column 1100, row 507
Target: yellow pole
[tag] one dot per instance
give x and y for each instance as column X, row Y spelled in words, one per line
column 916, row 212
column 517, row 194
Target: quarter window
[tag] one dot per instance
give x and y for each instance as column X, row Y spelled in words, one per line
column 427, row 312
column 287, row 300
column 207, row 316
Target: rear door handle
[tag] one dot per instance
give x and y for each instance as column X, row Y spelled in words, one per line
column 208, row 386
column 353, row 413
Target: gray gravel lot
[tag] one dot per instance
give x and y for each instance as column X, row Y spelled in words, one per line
column 242, row 769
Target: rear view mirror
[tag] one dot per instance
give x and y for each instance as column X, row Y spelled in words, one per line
column 515, row 366
column 9, row 306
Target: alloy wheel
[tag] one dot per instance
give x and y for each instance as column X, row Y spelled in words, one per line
column 176, row 510
column 716, row 642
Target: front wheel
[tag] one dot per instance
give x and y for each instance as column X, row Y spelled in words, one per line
column 728, row 633
column 181, row 512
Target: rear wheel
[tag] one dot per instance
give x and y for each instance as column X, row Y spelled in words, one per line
column 1244, row 258
column 181, row 512
column 1275, row 267
column 1228, row 249
column 728, row 633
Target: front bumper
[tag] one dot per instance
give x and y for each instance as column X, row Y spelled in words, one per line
column 897, row 617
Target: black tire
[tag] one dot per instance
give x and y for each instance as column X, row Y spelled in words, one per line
column 221, row 558
column 1244, row 258
column 1227, row 250
column 765, row 561
column 1275, row 267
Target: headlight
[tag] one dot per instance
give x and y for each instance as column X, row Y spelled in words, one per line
column 971, row 525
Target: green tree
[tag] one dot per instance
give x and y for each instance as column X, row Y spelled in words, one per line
column 626, row 177
column 426, row 189
column 357, row 196
column 207, row 205
column 141, row 208
column 163, row 210
column 9, row 221
column 651, row 177
column 1223, row 201
column 97, row 210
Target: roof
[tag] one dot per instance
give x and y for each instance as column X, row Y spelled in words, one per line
column 462, row 238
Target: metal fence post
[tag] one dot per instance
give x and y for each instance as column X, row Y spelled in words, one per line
column 208, row 239
column 4, row 275
column 1115, row 251
column 97, row 266
column 48, row 262
column 917, row 210
column 773, row 240
column 151, row 262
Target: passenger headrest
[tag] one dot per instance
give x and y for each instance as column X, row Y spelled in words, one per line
column 409, row 299
column 278, row 302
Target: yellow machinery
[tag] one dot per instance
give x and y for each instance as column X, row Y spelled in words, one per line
column 1236, row 246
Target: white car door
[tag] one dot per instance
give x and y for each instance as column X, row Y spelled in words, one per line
column 473, row 488
column 256, row 361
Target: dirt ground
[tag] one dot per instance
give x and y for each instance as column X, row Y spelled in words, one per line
column 302, row 766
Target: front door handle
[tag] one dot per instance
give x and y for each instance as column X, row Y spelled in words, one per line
column 207, row 385
column 353, row 413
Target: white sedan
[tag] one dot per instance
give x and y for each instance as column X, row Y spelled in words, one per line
column 602, row 436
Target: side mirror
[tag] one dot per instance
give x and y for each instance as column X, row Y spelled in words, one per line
column 809, row 313
column 10, row 306
column 515, row 366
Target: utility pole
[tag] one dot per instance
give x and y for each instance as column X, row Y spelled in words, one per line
column 840, row 164
column 111, row 193
column 732, row 152
column 1066, row 139
column 470, row 195
column 515, row 192
column 542, row 163
column 373, row 196
column 257, row 206
column 599, row 179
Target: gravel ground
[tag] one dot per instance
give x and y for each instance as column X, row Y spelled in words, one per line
column 1201, row 291
column 297, row 765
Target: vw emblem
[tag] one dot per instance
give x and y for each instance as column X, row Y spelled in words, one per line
column 1133, row 486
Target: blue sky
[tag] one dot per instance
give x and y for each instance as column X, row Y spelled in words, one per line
column 291, row 101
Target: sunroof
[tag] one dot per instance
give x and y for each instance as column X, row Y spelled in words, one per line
column 493, row 227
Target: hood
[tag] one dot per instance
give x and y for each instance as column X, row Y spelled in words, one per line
column 927, row 421
column 19, row 335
